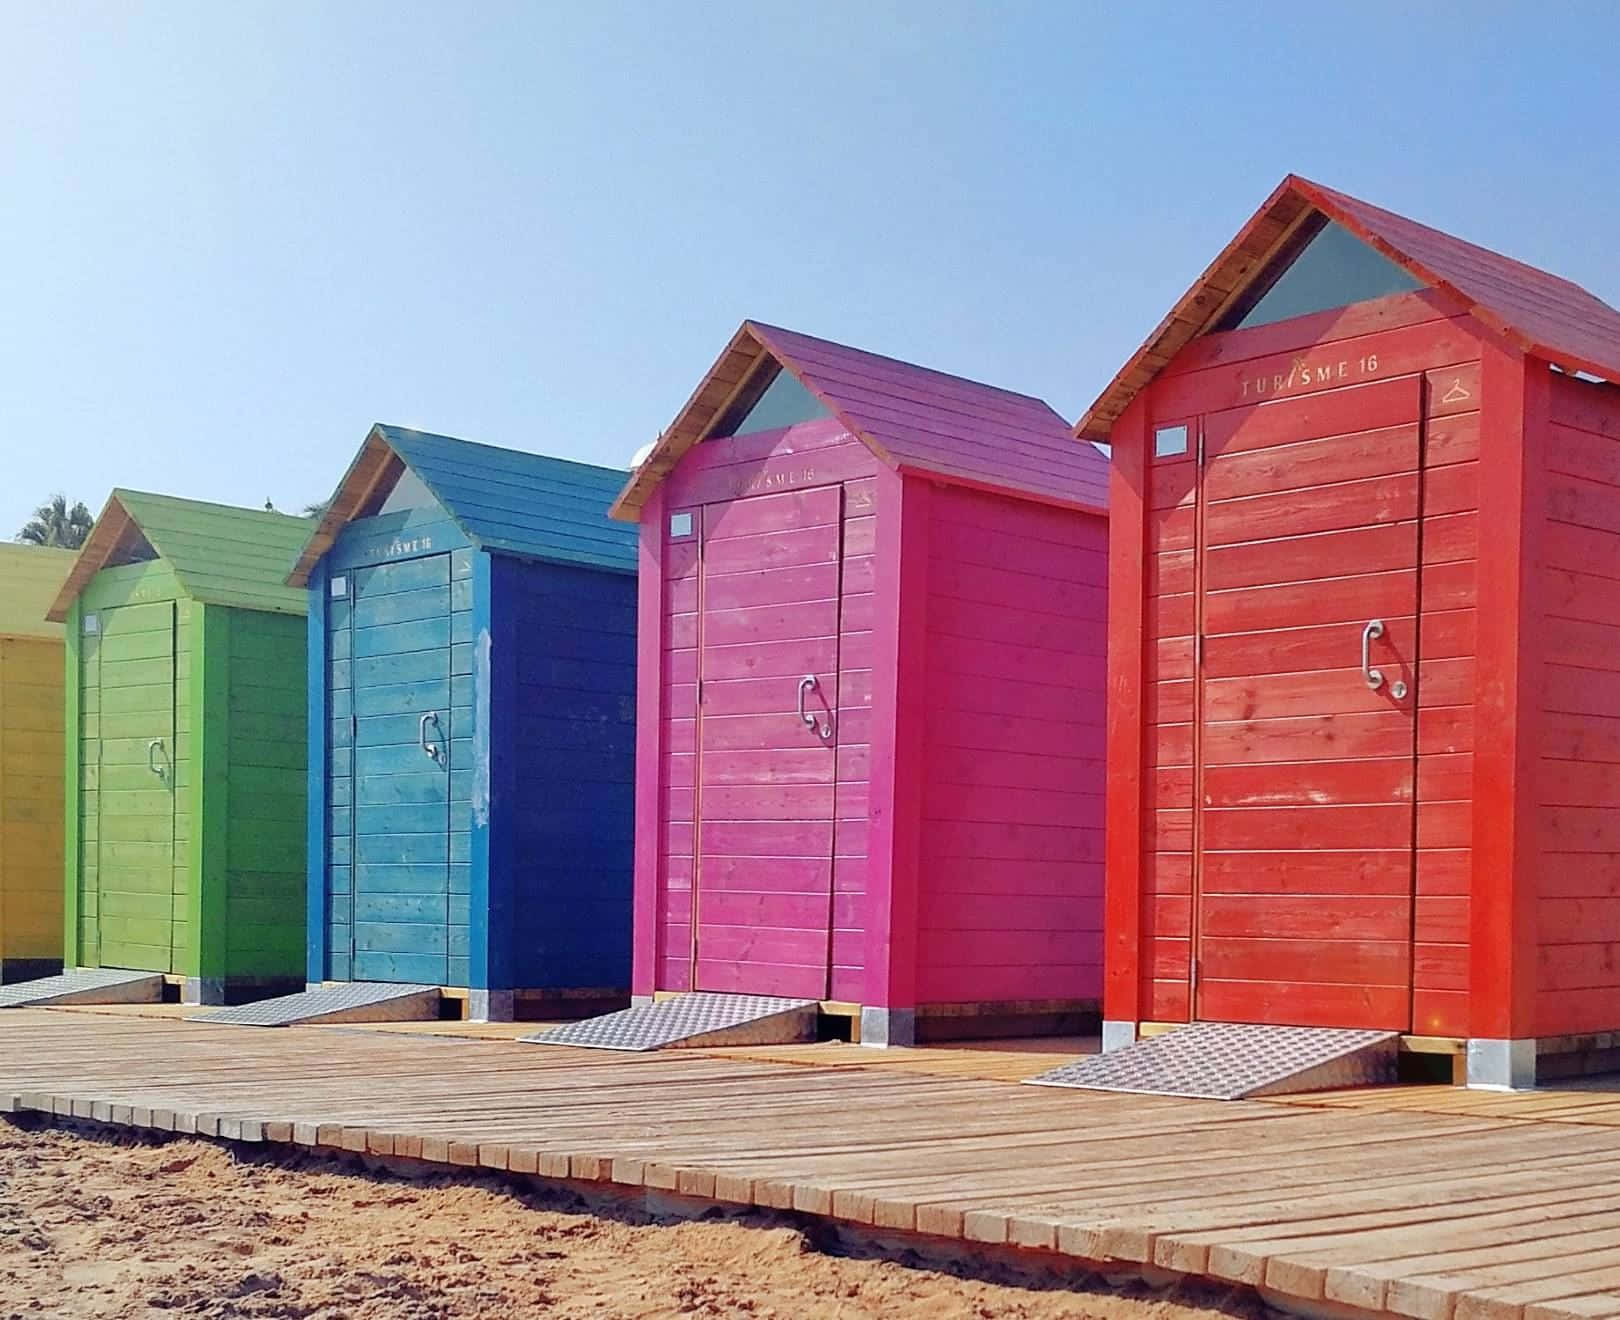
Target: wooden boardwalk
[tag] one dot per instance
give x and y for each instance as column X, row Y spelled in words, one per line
column 1427, row 1203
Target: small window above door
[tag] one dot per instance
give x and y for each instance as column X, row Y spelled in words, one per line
column 1170, row 441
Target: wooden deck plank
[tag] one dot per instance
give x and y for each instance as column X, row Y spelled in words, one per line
column 1424, row 1201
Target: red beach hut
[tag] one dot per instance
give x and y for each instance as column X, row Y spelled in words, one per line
column 1364, row 726
column 871, row 694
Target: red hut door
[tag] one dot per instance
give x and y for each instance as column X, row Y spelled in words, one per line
column 1306, row 749
column 767, row 738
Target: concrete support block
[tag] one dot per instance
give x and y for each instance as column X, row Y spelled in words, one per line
column 882, row 1027
column 1502, row 1065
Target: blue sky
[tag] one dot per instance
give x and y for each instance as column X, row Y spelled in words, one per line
column 234, row 235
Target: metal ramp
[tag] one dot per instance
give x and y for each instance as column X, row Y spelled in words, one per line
column 345, row 1001
column 85, row 985
column 1236, row 1061
column 690, row 1021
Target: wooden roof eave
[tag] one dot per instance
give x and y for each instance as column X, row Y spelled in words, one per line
column 357, row 486
column 714, row 392
column 111, row 528
column 1222, row 282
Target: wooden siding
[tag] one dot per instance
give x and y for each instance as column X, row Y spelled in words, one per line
column 505, row 865
column 1576, row 940
column 134, row 880
column 1300, row 501
column 399, row 645
column 562, row 739
column 31, row 740
column 718, row 475
column 1448, row 590
column 196, row 873
column 1010, row 900
column 30, row 577
column 253, row 746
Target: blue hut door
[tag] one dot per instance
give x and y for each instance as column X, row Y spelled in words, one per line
column 391, row 907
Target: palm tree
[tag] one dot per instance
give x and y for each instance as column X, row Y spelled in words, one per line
column 56, row 523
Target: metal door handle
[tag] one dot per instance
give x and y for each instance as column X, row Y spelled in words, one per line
column 809, row 683
column 1369, row 634
column 151, row 748
column 432, row 749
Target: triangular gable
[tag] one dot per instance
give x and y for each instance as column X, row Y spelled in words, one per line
column 506, row 501
column 220, row 554
column 1329, row 268
column 780, row 400
column 911, row 418
column 1541, row 314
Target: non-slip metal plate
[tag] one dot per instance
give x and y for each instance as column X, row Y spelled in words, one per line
column 689, row 1020
column 85, row 985
column 1236, row 1061
column 348, row 1001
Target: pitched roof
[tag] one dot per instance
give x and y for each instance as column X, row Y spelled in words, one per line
column 913, row 419
column 32, row 575
column 220, row 554
column 504, row 500
column 1542, row 314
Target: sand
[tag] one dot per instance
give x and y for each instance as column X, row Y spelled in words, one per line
column 101, row 1223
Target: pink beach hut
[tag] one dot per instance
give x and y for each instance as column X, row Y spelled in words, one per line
column 870, row 711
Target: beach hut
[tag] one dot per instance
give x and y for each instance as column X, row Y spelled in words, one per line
column 1364, row 727
column 185, row 740
column 472, row 706
column 871, row 695
column 30, row 762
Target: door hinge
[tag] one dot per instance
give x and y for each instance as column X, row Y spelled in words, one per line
column 700, row 692
column 1198, row 651
column 354, row 728
column 1197, row 974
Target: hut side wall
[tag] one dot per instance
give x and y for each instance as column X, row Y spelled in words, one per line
column 561, row 690
column 1010, row 882
column 1575, row 939
column 31, row 742
column 253, row 904
column 1154, row 624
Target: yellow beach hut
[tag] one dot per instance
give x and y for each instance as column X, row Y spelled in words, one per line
column 31, row 761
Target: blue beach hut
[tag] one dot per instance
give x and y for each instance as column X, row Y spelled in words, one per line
column 472, row 662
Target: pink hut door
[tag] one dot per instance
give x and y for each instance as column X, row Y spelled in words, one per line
column 1306, row 709
column 767, row 743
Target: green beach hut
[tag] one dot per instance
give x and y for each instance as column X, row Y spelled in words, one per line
column 185, row 727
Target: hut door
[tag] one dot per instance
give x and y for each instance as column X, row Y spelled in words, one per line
column 140, row 892
column 769, row 596
column 389, row 629
column 1305, row 710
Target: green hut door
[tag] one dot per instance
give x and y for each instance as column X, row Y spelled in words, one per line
column 139, row 890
